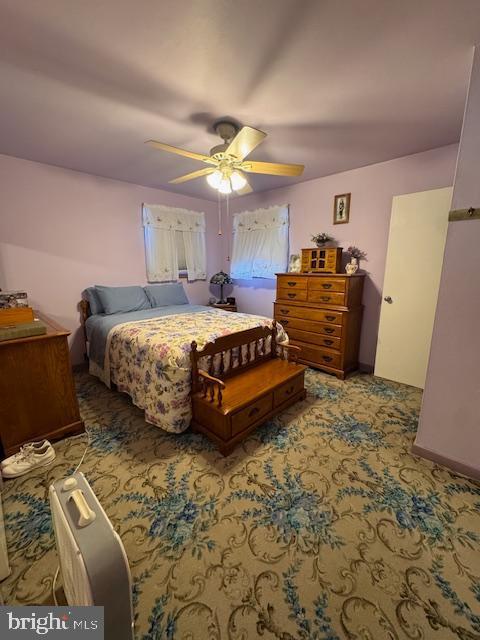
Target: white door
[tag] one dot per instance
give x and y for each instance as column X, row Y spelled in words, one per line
column 418, row 230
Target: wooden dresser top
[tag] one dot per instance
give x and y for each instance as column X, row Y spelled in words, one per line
column 53, row 330
column 322, row 275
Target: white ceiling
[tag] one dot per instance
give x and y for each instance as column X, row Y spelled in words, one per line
column 336, row 84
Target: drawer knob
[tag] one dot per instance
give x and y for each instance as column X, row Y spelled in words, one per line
column 285, row 311
column 291, row 284
column 327, row 286
column 253, row 411
column 330, row 318
column 289, row 391
column 292, row 295
column 328, row 329
column 327, row 358
column 327, row 342
column 285, row 322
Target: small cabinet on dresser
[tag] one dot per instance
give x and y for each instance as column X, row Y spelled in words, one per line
column 37, row 392
column 322, row 314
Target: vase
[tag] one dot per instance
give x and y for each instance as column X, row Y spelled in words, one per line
column 352, row 266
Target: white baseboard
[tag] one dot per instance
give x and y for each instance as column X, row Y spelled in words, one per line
column 450, row 463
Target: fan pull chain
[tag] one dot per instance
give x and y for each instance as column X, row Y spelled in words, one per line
column 228, row 227
column 219, row 214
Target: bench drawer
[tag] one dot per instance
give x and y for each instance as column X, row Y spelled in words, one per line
column 245, row 417
column 288, row 390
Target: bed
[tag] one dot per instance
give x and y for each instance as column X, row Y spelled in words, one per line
column 145, row 351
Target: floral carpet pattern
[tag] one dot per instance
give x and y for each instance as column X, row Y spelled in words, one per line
column 321, row 526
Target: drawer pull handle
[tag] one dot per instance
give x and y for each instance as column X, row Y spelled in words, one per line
column 328, row 329
column 330, row 318
column 325, row 298
column 285, row 311
column 285, row 322
column 292, row 295
column 327, row 286
column 291, row 284
column 253, row 411
column 327, row 358
column 328, row 342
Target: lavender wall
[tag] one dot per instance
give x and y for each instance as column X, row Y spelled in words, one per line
column 61, row 231
column 372, row 189
column 449, row 428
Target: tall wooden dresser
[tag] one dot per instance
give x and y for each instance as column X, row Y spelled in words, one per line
column 322, row 314
column 37, row 393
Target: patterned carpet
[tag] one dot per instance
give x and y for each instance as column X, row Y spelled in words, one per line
column 321, row 526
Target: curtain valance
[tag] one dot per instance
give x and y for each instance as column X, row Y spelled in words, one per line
column 163, row 217
column 271, row 218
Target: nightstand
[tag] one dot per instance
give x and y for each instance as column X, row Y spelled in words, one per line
column 226, row 307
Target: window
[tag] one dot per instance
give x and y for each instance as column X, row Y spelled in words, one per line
column 181, row 260
column 260, row 243
column 174, row 243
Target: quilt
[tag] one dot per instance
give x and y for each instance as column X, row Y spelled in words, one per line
column 150, row 359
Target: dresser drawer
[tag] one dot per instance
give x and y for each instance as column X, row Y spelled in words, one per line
column 288, row 390
column 318, row 355
column 325, row 297
column 327, row 284
column 245, row 417
column 309, row 325
column 320, row 315
column 291, row 282
column 319, row 339
column 290, row 294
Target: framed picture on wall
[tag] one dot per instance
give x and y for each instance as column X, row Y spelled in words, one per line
column 341, row 208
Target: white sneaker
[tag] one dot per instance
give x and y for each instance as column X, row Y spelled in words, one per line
column 36, row 446
column 31, row 459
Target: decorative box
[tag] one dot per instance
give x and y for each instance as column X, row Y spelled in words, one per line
column 322, row 260
column 9, row 299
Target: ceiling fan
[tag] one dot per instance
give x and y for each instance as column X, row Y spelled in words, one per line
column 226, row 172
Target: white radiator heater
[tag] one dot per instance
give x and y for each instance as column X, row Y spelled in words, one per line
column 92, row 558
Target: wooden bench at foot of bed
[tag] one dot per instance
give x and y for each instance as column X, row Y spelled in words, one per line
column 228, row 403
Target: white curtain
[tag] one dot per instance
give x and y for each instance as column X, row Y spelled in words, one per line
column 260, row 243
column 160, row 224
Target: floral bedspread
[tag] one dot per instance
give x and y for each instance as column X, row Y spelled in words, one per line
column 150, row 360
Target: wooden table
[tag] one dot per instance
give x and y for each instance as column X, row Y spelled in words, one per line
column 37, row 392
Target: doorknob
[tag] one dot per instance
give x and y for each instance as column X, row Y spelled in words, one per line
column 388, row 299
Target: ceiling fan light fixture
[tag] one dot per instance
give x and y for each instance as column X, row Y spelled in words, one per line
column 238, row 180
column 214, row 179
column 225, row 186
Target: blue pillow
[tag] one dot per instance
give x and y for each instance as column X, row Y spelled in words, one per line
column 93, row 300
column 122, row 299
column 164, row 295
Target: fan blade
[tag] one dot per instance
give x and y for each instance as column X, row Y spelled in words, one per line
column 245, row 142
column 273, row 168
column 244, row 190
column 193, row 175
column 180, row 152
